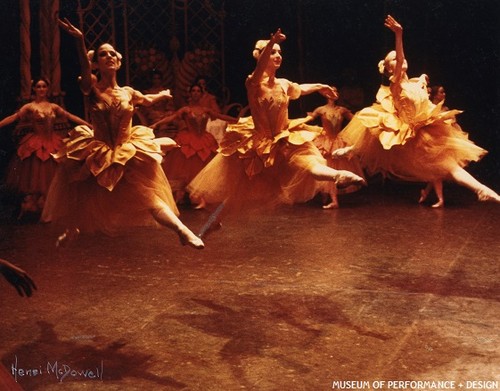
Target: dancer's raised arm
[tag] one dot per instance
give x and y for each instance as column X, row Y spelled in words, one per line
column 398, row 68
column 263, row 54
column 83, row 55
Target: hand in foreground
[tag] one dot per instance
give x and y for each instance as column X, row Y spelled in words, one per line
column 69, row 28
column 278, row 37
column 166, row 93
column 392, row 24
column 18, row 278
column 327, row 92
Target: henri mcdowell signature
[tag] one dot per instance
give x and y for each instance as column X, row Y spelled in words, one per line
column 61, row 371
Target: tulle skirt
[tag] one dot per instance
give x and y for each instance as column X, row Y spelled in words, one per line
column 97, row 188
column 182, row 164
column 92, row 208
column 434, row 151
column 287, row 181
column 31, row 170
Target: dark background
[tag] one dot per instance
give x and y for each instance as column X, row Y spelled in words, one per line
column 456, row 42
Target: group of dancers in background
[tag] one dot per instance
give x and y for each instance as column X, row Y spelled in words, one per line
column 108, row 175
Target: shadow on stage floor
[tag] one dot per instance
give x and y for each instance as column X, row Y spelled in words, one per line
column 382, row 289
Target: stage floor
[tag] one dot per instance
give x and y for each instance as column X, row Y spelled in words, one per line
column 380, row 290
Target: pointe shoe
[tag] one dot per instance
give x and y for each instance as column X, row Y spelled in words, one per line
column 423, row 196
column 67, row 237
column 198, row 203
column 189, row 238
column 344, row 178
column 331, row 205
column 201, row 205
column 486, row 194
column 343, row 152
column 439, row 204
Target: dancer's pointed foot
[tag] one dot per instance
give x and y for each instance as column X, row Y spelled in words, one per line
column 201, row 205
column 198, row 202
column 67, row 237
column 423, row 195
column 331, row 205
column 486, row 194
column 343, row 152
column 188, row 238
column 344, row 178
column 439, row 204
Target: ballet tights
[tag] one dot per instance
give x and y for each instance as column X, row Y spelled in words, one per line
column 483, row 192
column 166, row 217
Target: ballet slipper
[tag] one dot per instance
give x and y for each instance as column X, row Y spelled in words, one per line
column 344, row 178
column 331, row 205
column 486, row 194
column 69, row 235
column 343, row 152
column 198, row 203
column 188, row 238
column 439, row 204
column 423, row 196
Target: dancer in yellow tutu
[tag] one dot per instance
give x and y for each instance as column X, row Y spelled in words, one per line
column 406, row 136
column 268, row 158
column 110, row 176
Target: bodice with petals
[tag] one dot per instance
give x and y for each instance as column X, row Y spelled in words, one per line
column 269, row 113
column 113, row 141
column 43, row 121
column 196, row 122
column 259, row 138
column 398, row 120
column 413, row 105
column 41, row 140
column 111, row 115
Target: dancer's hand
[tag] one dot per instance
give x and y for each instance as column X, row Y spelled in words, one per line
column 18, row 278
column 166, row 93
column 278, row 37
column 327, row 92
column 392, row 24
column 69, row 28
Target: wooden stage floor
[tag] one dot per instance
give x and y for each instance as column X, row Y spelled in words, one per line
column 380, row 290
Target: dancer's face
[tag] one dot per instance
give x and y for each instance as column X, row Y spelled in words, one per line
column 440, row 94
column 107, row 57
column 41, row 89
column 195, row 93
column 276, row 57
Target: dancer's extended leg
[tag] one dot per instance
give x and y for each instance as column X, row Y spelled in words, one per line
column 340, row 177
column 166, row 217
column 483, row 192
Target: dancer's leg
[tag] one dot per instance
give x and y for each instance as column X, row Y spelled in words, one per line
column 424, row 193
column 343, row 152
column 166, row 217
column 334, row 204
column 483, row 192
column 438, row 188
column 340, row 177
